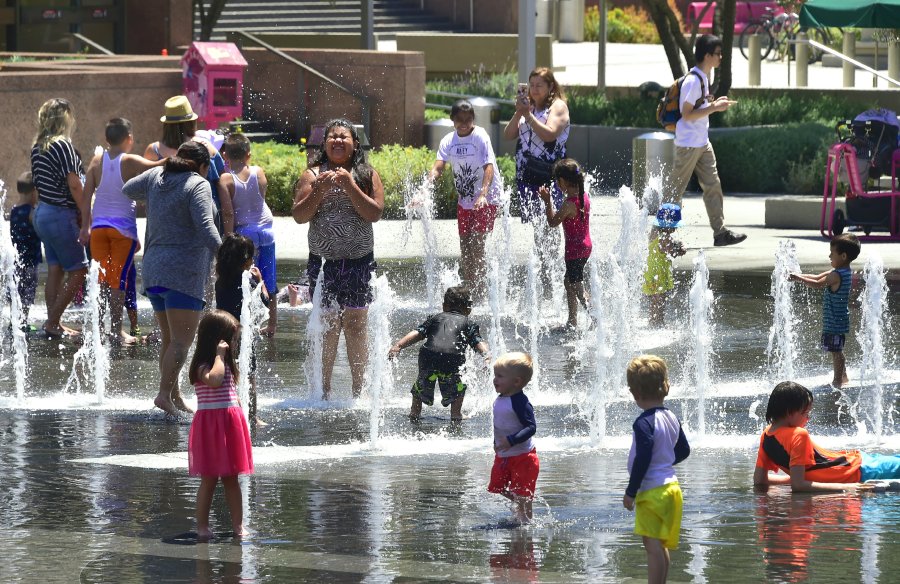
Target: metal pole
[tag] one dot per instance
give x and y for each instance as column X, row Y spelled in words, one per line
column 849, row 50
column 527, row 18
column 471, row 15
column 601, row 48
column 754, row 75
column 894, row 59
column 802, row 61
column 367, row 25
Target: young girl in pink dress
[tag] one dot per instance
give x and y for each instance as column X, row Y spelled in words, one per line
column 574, row 215
column 219, row 444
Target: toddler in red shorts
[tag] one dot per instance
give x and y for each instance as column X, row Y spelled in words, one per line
column 516, row 464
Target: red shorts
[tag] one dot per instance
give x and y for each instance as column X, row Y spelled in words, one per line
column 515, row 474
column 471, row 221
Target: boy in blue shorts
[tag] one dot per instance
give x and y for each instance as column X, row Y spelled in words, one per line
column 836, row 301
column 444, row 353
column 658, row 444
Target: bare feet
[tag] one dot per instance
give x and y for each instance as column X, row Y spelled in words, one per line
column 241, row 531
column 837, row 384
column 165, row 405
column 123, row 338
column 204, row 534
column 178, row 401
column 268, row 331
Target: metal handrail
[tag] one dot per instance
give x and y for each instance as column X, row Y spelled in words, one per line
column 467, row 96
column 853, row 62
column 94, row 45
column 366, row 114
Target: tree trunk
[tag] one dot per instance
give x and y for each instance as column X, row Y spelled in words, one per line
column 670, row 35
column 209, row 16
column 723, row 75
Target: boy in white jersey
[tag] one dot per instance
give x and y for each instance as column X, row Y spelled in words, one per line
column 516, row 464
column 246, row 188
column 658, row 443
column 114, row 237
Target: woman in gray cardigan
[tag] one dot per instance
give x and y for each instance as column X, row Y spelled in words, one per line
column 179, row 248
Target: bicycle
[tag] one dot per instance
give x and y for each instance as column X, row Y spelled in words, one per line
column 775, row 33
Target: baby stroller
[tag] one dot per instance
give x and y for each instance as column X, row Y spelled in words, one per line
column 867, row 149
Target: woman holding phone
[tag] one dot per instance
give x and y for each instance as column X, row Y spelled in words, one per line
column 541, row 125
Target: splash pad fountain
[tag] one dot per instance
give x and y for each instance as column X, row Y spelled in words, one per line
column 414, row 506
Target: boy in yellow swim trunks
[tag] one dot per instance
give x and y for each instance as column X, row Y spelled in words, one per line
column 658, row 444
column 658, row 279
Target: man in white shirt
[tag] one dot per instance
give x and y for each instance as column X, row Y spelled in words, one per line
column 693, row 152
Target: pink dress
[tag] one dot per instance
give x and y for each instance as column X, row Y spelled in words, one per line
column 219, row 444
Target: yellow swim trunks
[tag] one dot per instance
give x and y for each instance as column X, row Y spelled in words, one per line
column 658, row 514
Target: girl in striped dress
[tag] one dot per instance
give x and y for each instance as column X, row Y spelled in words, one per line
column 219, row 444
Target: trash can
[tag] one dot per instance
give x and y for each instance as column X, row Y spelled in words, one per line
column 652, row 162
column 570, row 27
column 544, row 21
column 487, row 115
column 435, row 132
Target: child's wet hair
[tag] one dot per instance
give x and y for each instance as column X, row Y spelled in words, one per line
column 648, row 377
column 236, row 146
column 117, row 131
column 215, row 326
column 570, row 171
column 787, row 398
column 25, row 184
column 847, row 243
column 191, row 157
column 234, row 253
column 520, row 363
column 463, row 106
column 457, row 299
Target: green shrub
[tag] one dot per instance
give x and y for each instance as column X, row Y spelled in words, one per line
column 780, row 108
column 623, row 25
column 283, row 165
column 771, row 160
column 435, row 114
column 402, row 168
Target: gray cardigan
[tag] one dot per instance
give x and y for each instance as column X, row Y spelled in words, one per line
column 181, row 240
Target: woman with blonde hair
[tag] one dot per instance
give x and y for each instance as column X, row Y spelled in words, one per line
column 63, row 218
column 541, row 125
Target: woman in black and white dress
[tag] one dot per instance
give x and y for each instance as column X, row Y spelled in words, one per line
column 340, row 196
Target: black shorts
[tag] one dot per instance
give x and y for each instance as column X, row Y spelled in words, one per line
column 575, row 269
column 346, row 283
column 446, row 375
column 833, row 343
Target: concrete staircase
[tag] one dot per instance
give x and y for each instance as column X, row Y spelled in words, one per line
column 391, row 16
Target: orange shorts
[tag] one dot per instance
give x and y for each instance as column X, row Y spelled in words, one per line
column 471, row 221
column 115, row 254
column 516, row 474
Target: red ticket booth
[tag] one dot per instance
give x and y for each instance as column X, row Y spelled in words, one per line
column 213, row 77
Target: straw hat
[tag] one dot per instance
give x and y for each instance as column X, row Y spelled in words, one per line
column 178, row 109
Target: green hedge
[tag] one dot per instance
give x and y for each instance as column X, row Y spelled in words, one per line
column 400, row 169
column 780, row 159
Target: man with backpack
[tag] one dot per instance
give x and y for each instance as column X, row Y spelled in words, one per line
column 693, row 152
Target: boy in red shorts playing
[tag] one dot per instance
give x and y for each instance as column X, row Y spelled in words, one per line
column 516, row 464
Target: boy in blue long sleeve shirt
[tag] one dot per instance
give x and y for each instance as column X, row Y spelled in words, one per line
column 658, row 444
column 516, row 464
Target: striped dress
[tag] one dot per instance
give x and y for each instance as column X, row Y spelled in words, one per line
column 219, row 444
column 336, row 231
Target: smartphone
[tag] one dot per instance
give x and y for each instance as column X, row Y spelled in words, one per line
column 522, row 91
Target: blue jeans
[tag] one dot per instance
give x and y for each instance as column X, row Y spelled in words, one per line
column 58, row 229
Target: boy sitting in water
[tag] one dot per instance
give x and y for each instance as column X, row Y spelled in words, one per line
column 658, row 444
column 835, row 303
column 786, row 446
column 444, row 353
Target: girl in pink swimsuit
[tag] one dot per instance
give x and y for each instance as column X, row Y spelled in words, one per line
column 574, row 215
